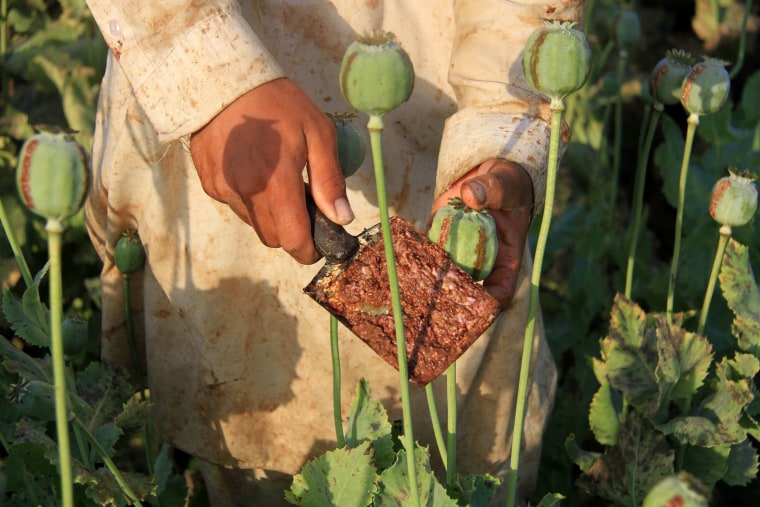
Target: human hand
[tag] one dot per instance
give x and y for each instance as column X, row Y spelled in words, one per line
column 506, row 190
column 251, row 157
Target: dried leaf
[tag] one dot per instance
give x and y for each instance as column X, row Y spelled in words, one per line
column 627, row 322
column 737, row 282
column 684, row 360
column 626, row 472
column 631, row 357
column 718, row 419
column 584, row 459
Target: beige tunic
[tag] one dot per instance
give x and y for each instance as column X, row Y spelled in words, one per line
column 238, row 357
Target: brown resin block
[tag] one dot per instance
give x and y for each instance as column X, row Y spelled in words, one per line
column 445, row 310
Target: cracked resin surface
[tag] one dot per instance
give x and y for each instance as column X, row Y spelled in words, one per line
column 445, row 310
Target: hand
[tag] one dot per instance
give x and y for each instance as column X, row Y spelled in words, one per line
column 251, row 156
column 506, row 190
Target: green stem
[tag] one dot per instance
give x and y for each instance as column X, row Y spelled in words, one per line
column 55, row 229
column 84, row 452
column 108, row 462
column 599, row 62
column 742, row 40
column 131, row 336
column 725, row 235
column 638, row 195
column 617, row 139
column 375, row 127
column 4, row 50
column 557, row 108
column 451, row 423
column 436, row 423
column 603, row 159
column 587, row 14
column 15, row 247
column 147, row 429
column 691, row 128
column 681, row 450
column 336, row 381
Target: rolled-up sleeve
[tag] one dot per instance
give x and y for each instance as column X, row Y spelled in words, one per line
column 498, row 115
column 186, row 60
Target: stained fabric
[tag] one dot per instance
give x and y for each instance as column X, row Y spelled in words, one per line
column 238, row 357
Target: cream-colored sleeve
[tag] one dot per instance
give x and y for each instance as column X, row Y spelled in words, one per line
column 186, row 60
column 498, row 115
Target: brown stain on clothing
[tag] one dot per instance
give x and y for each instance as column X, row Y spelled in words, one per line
column 314, row 30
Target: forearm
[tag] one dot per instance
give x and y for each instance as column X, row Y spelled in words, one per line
column 185, row 60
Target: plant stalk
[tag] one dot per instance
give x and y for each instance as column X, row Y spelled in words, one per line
column 4, row 52
column 638, row 195
column 375, row 127
column 617, row 138
column 692, row 123
column 557, row 108
column 55, row 229
column 109, row 463
column 131, row 335
column 724, row 236
column 334, row 350
column 15, row 247
column 436, row 423
column 742, row 40
column 84, row 451
column 451, row 423
column 147, row 429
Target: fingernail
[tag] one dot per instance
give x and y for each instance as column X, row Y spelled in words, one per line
column 343, row 210
column 478, row 191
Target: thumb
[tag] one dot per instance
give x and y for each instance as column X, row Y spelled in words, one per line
column 326, row 180
column 498, row 185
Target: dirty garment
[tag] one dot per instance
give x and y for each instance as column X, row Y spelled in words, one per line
column 238, row 358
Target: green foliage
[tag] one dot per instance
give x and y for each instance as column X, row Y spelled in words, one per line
column 645, row 365
column 664, row 404
column 342, row 477
column 53, row 61
column 743, row 297
column 635, row 406
column 104, row 413
column 368, row 471
column 98, row 396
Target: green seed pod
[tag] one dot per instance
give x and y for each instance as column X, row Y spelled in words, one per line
column 468, row 235
column 129, row 254
column 666, row 80
column 557, row 60
column 52, row 176
column 376, row 75
column 680, row 490
column 74, row 333
column 734, row 199
column 35, row 399
column 627, row 29
column 706, row 88
column 351, row 145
